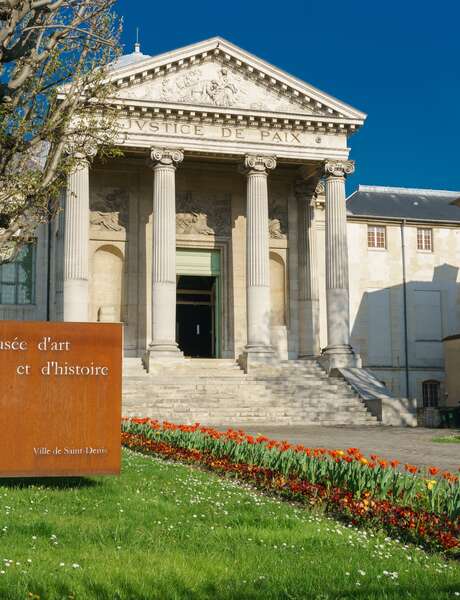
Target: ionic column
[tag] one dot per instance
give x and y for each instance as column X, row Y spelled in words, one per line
column 309, row 345
column 164, row 163
column 76, row 245
column 338, row 353
column 257, row 255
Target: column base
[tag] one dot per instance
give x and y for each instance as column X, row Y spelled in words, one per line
column 76, row 294
column 339, row 357
column 161, row 354
column 256, row 356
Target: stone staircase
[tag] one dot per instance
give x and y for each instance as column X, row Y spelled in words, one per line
column 218, row 391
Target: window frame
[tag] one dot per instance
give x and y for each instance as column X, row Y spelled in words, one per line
column 375, row 234
column 16, row 283
column 423, row 249
column 427, row 396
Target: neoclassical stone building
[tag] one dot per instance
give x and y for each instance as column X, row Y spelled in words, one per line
column 223, row 157
column 220, row 234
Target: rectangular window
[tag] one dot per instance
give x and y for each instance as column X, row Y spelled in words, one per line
column 425, row 239
column 376, row 237
column 17, row 279
column 430, row 390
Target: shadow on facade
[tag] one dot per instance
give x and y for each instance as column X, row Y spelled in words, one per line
column 398, row 330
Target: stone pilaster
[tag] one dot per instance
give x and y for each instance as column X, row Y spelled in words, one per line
column 257, row 259
column 163, row 345
column 76, row 245
column 338, row 352
column 309, row 345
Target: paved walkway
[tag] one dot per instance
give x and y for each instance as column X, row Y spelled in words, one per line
column 408, row 445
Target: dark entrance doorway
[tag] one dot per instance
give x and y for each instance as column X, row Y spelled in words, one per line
column 196, row 307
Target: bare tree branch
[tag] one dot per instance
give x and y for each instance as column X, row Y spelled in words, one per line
column 54, row 104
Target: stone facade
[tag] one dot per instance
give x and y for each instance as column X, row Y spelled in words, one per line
column 391, row 289
column 452, row 360
column 230, row 160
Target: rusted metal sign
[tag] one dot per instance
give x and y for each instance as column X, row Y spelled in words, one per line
column 60, row 399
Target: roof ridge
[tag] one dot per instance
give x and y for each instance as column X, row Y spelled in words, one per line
column 402, row 190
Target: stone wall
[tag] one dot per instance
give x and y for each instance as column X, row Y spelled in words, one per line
column 452, row 362
column 376, row 303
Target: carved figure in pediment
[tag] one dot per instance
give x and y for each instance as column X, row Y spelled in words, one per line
column 226, row 92
column 109, row 210
column 219, row 90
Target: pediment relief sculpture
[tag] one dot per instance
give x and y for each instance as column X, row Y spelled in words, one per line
column 203, row 214
column 213, row 84
column 109, row 210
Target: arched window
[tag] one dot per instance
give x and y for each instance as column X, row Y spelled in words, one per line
column 107, row 284
column 430, row 390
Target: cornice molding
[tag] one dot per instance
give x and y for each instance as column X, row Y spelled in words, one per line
column 233, row 116
column 397, row 221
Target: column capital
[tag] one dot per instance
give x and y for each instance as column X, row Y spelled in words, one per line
column 82, row 154
column 338, row 168
column 253, row 163
column 166, row 157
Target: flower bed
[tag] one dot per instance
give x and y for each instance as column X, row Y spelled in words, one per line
column 422, row 507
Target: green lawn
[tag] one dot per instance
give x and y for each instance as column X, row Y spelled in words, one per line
column 447, row 439
column 171, row 531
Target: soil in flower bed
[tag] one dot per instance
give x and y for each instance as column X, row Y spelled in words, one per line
column 166, row 530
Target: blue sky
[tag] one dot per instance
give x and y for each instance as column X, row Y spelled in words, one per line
column 399, row 62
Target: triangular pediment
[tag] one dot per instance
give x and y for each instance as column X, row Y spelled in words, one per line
column 217, row 74
column 214, row 84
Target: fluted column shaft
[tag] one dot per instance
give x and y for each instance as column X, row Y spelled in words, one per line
column 337, row 284
column 309, row 344
column 164, row 163
column 76, row 245
column 257, row 253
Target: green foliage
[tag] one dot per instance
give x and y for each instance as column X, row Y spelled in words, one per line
column 348, row 470
column 54, row 108
column 447, row 439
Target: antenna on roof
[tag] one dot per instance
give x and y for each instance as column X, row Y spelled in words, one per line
column 137, row 46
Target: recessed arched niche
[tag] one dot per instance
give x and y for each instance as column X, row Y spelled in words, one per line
column 277, row 290
column 107, row 288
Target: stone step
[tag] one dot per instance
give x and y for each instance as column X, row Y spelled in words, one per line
column 248, row 423
column 260, row 398
column 167, row 407
column 216, row 391
column 224, row 415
